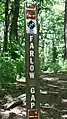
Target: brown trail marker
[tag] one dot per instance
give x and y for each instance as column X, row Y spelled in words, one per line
column 31, row 53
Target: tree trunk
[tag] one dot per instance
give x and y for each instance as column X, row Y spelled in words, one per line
column 54, row 52
column 6, row 27
column 14, row 24
column 65, row 30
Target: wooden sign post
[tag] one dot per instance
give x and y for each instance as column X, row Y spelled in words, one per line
column 31, row 52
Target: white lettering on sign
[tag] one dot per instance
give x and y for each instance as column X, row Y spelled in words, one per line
column 32, row 98
column 31, row 68
column 32, row 105
column 32, row 55
column 31, row 38
column 31, row 75
column 31, row 46
column 31, row 60
column 32, row 72
column 32, row 91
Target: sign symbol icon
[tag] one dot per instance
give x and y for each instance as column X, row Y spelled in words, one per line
column 33, row 114
column 30, row 17
column 31, row 24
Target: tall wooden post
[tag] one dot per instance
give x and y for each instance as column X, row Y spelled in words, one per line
column 31, row 52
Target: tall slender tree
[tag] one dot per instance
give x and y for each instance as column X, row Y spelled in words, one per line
column 13, row 35
column 65, row 29
column 14, row 24
column 6, row 27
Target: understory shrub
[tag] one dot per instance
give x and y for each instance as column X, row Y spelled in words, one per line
column 9, row 68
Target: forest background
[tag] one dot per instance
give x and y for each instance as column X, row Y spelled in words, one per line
column 52, row 19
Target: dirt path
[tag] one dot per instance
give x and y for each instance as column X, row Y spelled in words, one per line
column 54, row 95
column 53, row 90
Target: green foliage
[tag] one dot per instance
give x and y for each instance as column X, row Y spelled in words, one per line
column 20, row 66
column 51, row 67
column 55, row 67
column 64, row 67
column 9, row 68
column 7, row 71
column 1, row 11
column 51, row 44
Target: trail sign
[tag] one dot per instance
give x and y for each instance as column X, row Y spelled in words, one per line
column 31, row 53
column 30, row 16
column 33, row 114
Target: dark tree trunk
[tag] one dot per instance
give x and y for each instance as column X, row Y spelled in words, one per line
column 14, row 24
column 54, row 52
column 65, row 30
column 6, row 27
